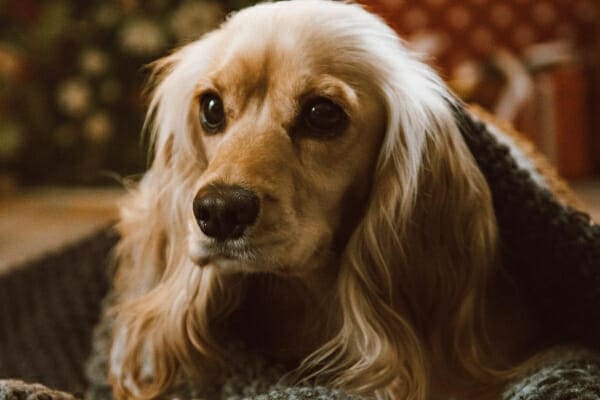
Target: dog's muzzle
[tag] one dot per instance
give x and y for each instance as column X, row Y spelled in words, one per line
column 224, row 212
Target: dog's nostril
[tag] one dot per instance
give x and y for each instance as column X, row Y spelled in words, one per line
column 202, row 213
column 224, row 212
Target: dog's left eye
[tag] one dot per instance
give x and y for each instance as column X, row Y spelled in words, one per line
column 212, row 113
column 323, row 117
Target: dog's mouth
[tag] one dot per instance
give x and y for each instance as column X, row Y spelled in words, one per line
column 211, row 251
column 233, row 256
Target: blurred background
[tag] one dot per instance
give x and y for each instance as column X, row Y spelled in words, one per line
column 72, row 73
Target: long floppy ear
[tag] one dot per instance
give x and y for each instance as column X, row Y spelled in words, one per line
column 163, row 299
column 147, row 213
column 413, row 275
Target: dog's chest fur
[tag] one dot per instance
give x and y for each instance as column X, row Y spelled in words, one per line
column 279, row 319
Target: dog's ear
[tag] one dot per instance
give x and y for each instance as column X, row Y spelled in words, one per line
column 413, row 275
column 151, row 215
column 164, row 300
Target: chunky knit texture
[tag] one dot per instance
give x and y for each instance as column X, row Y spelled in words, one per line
column 566, row 374
column 11, row 389
column 49, row 309
column 551, row 251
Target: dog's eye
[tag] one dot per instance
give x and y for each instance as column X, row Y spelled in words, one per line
column 212, row 113
column 323, row 117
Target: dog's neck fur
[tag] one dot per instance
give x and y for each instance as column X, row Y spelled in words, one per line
column 285, row 318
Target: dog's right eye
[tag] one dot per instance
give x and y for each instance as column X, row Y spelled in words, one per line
column 212, row 113
column 324, row 118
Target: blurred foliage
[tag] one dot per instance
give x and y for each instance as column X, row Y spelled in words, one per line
column 71, row 77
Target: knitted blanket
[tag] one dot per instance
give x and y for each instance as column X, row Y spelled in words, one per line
column 552, row 251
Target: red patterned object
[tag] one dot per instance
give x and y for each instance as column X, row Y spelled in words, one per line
column 555, row 110
column 474, row 28
column 23, row 10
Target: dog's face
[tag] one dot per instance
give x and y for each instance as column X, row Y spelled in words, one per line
column 290, row 136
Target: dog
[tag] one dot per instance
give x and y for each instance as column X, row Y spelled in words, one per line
column 310, row 195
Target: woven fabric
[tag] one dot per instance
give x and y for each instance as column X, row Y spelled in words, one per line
column 551, row 251
column 472, row 30
column 566, row 374
column 19, row 390
column 48, row 311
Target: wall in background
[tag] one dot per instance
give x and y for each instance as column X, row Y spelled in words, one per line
column 71, row 74
column 532, row 62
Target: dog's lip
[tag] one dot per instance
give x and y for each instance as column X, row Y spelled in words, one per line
column 241, row 253
column 232, row 263
column 234, row 249
column 204, row 253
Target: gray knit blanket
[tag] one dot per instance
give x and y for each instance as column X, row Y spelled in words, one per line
column 54, row 337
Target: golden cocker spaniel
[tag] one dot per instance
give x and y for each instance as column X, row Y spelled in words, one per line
column 310, row 195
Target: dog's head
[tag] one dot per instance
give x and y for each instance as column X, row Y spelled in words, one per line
column 301, row 137
column 279, row 114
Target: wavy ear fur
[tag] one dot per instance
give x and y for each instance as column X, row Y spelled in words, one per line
column 164, row 301
column 413, row 276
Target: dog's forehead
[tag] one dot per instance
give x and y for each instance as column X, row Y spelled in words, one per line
column 267, row 61
column 252, row 64
column 284, row 45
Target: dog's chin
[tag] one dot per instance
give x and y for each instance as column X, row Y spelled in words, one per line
column 235, row 256
column 240, row 256
column 228, row 257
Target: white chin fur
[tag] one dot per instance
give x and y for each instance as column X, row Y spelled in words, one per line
column 203, row 253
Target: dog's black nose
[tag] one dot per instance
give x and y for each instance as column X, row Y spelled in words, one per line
column 224, row 212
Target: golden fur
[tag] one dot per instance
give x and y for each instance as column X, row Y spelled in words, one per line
column 368, row 266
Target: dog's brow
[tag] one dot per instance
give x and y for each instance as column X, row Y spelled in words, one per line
column 336, row 89
column 205, row 85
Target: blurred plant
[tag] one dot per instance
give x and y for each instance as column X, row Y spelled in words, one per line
column 71, row 74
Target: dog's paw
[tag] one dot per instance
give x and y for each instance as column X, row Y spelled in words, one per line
column 18, row 390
